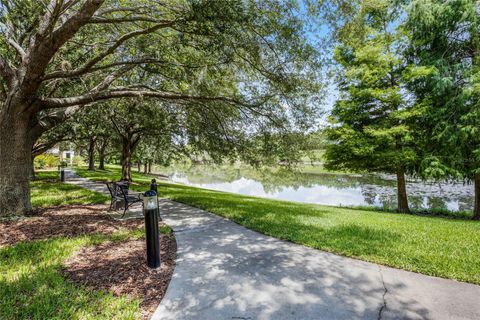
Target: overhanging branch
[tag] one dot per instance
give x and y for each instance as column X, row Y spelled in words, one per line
column 102, row 20
column 78, row 72
column 91, row 63
column 48, row 42
column 52, row 103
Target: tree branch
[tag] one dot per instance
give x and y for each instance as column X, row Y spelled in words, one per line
column 102, row 20
column 87, row 67
column 45, row 45
column 52, row 103
column 17, row 47
column 41, row 147
column 50, row 120
column 111, row 78
column 75, row 73
column 47, row 22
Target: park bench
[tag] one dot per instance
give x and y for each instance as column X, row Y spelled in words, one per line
column 119, row 193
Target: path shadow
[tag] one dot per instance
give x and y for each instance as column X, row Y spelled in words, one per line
column 225, row 271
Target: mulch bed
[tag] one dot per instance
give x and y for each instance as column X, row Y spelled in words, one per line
column 66, row 221
column 119, row 267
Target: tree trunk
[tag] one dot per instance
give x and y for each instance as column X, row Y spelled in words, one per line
column 139, row 166
column 101, row 156
column 145, row 167
column 32, row 171
column 101, row 159
column 476, row 209
column 150, row 166
column 402, row 192
column 15, row 165
column 127, row 151
column 91, row 154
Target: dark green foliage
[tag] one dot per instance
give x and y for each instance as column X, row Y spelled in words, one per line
column 373, row 123
column 444, row 49
column 444, row 46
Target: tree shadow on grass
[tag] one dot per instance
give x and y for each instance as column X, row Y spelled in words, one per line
column 237, row 273
column 51, row 194
column 284, row 222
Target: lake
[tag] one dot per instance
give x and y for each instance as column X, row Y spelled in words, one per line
column 325, row 188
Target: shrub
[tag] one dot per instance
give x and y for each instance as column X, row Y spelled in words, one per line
column 78, row 161
column 46, row 161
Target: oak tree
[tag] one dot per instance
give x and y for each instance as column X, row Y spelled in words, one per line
column 62, row 55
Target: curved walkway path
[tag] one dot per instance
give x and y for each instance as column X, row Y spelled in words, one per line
column 225, row 271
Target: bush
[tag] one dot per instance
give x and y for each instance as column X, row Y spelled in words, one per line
column 78, row 161
column 46, row 161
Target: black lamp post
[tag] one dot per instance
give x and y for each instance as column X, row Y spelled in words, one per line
column 150, row 207
column 153, row 186
column 61, row 167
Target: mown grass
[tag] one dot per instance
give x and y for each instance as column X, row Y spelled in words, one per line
column 31, row 283
column 47, row 191
column 443, row 247
column 32, row 286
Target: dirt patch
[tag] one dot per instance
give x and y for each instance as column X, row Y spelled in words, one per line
column 65, row 221
column 121, row 269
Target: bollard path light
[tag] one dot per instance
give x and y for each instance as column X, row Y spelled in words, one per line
column 150, row 207
column 154, row 186
column 61, row 168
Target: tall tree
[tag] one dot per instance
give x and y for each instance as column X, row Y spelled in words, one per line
column 90, row 127
column 133, row 121
column 372, row 122
column 444, row 48
column 104, row 144
column 57, row 56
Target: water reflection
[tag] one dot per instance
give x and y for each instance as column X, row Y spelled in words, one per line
column 328, row 189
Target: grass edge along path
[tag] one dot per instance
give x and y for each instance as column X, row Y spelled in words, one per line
column 32, row 285
column 448, row 248
column 48, row 191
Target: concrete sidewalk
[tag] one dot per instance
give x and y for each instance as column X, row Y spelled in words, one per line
column 225, row 271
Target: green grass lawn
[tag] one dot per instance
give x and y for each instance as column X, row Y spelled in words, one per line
column 47, row 191
column 31, row 284
column 443, row 247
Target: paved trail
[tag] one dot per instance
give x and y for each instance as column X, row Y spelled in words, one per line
column 225, row 271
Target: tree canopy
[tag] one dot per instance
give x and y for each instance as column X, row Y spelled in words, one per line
column 249, row 57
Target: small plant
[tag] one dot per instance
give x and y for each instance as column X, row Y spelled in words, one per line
column 46, row 160
column 78, row 161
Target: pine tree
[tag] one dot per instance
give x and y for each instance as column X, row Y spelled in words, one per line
column 372, row 124
column 444, row 45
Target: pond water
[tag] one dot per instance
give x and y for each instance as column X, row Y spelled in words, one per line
column 326, row 188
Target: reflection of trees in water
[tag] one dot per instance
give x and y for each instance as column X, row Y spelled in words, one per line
column 376, row 190
column 276, row 180
column 208, row 174
column 426, row 198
